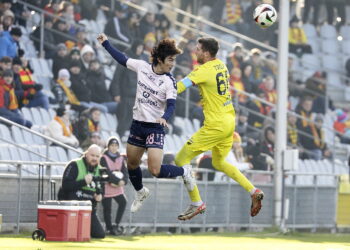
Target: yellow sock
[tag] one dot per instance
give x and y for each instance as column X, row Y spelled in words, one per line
column 194, row 194
column 236, row 175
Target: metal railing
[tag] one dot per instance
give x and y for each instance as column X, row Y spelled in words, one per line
column 221, row 197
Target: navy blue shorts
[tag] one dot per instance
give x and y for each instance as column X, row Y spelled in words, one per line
column 146, row 135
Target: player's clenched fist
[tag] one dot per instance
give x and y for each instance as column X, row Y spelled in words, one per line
column 101, row 38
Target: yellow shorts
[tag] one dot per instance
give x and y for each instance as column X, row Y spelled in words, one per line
column 216, row 135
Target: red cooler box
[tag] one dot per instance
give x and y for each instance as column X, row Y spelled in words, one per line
column 84, row 221
column 59, row 220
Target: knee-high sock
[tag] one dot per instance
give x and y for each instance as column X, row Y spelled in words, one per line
column 182, row 158
column 169, row 171
column 135, row 177
column 234, row 174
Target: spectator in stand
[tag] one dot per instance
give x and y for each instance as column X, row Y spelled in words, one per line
column 89, row 122
column 114, row 189
column 80, row 87
column 60, row 59
column 347, row 68
column 236, row 155
column 257, row 67
column 96, row 82
column 49, row 42
column 188, row 58
column 62, row 92
column 235, row 58
column 162, row 25
column 81, row 39
column 74, row 54
column 292, row 131
column 61, row 129
column 5, row 5
column 32, row 91
column 247, row 77
column 307, row 126
column 7, row 20
column 67, row 13
column 342, row 126
column 237, row 85
column 123, row 89
column 317, row 86
column 116, row 26
column 5, row 63
column 308, row 4
column 242, row 125
column 87, row 55
column 231, row 16
column 134, row 26
column 267, row 147
column 93, row 138
column 61, row 28
column 53, row 7
column 147, row 24
column 340, row 7
column 8, row 42
column 256, row 118
column 297, row 39
column 8, row 100
column 268, row 87
column 149, row 43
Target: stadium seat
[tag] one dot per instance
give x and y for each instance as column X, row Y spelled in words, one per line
column 62, row 154
column 334, row 79
column 311, row 62
column 315, row 45
column 17, row 135
column 196, row 124
column 189, row 130
column 73, row 155
column 103, row 122
column 37, row 116
column 27, row 114
column 38, row 139
column 345, row 47
column 5, row 134
column 45, row 68
column 35, row 64
column 310, row 31
column 45, row 116
column 112, row 120
column 345, row 32
column 52, row 113
column 330, row 46
column 328, row 31
column 177, row 141
column 331, row 63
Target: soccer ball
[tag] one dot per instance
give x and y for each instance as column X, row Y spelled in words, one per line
column 265, row 15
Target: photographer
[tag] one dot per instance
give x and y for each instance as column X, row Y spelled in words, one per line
column 81, row 181
column 114, row 188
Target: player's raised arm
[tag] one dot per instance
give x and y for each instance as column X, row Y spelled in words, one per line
column 116, row 54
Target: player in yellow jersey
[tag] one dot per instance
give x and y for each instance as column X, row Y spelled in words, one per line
column 212, row 79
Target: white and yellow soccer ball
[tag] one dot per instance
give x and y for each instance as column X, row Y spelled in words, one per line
column 265, row 15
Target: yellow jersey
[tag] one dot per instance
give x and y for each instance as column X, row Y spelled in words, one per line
column 212, row 79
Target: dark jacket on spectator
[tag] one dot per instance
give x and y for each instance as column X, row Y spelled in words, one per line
column 96, row 83
column 80, row 87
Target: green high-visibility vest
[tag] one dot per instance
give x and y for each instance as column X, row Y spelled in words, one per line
column 82, row 171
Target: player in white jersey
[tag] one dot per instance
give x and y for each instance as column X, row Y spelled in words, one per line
column 155, row 103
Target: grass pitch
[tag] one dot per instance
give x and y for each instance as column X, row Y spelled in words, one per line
column 210, row 241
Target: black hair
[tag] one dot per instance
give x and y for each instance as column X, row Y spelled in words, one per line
column 166, row 47
column 209, row 44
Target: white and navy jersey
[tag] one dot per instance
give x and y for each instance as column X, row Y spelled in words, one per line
column 152, row 91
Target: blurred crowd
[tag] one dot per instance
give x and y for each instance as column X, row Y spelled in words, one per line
column 82, row 89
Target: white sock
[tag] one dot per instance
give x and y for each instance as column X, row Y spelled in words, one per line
column 185, row 171
column 197, row 203
column 253, row 191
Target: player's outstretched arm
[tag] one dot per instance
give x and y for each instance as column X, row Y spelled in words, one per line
column 116, row 54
